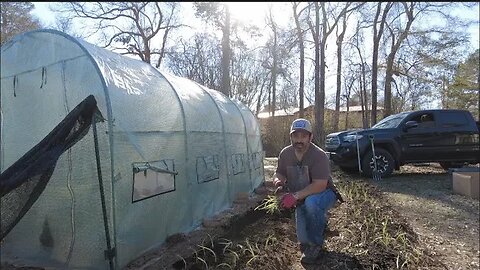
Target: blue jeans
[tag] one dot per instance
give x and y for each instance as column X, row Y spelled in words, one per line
column 311, row 217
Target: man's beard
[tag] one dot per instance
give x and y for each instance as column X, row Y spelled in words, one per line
column 299, row 145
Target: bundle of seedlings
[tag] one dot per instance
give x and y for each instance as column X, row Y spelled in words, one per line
column 271, row 205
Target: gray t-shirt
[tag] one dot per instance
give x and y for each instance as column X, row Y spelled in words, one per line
column 299, row 174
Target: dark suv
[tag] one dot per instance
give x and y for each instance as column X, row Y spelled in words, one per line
column 449, row 137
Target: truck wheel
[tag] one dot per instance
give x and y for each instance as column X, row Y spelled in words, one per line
column 385, row 162
column 447, row 165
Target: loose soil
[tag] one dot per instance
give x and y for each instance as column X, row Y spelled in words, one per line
column 440, row 229
column 418, row 223
column 447, row 223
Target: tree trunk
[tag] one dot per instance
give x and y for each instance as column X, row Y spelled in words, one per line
column 388, row 85
column 274, row 70
column 346, row 116
column 364, row 89
column 376, row 43
column 318, row 115
column 349, row 90
column 360, row 87
column 226, row 55
column 320, row 101
column 259, row 99
column 327, row 29
column 302, row 59
column 336, row 115
column 391, row 57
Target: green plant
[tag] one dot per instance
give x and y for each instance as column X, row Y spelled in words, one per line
column 270, row 205
column 270, row 240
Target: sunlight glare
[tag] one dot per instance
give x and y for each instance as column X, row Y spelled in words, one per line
column 251, row 12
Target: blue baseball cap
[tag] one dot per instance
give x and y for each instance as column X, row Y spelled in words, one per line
column 301, row 124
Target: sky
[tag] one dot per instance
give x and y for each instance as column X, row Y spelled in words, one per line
column 254, row 12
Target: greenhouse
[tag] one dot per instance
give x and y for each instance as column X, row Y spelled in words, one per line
column 104, row 156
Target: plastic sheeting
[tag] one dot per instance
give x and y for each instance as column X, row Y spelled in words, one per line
column 172, row 152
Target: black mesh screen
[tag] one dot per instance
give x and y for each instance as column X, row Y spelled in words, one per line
column 23, row 182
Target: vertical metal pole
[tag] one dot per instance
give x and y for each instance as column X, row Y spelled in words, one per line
column 358, row 153
column 109, row 253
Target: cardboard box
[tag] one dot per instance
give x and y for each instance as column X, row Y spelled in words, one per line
column 466, row 183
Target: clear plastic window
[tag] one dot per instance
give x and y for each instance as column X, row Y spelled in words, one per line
column 208, row 168
column 256, row 160
column 152, row 178
column 237, row 164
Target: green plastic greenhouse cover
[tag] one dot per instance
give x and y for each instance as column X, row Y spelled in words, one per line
column 170, row 153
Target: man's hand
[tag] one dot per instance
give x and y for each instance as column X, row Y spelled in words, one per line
column 277, row 183
column 289, row 200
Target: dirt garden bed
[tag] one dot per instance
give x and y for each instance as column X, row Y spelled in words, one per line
column 410, row 220
column 447, row 223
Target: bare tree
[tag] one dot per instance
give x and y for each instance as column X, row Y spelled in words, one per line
column 274, row 49
column 319, row 116
column 377, row 34
column 249, row 78
column 198, row 59
column 130, row 28
column 320, row 43
column 279, row 63
column 340, row 36
column 301, row 46
column 226, row 54
column 348, row 90
column 219, row 15
column 362, row 77
column 397, row 37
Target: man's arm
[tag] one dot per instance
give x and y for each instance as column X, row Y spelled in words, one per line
column 317, row 186
column 279, row 179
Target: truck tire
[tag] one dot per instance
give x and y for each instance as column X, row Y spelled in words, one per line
column 385, row 162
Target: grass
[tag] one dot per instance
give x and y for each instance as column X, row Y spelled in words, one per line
column 371, row 230
column 380, row 229
column 227, row 254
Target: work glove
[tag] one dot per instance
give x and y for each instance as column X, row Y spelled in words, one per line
column 288, row 201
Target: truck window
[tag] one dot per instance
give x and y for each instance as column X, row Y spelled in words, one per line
column 424, row 120
column 453, row 119
column 391, row 121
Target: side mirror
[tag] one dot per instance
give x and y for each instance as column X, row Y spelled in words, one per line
column 410, row 124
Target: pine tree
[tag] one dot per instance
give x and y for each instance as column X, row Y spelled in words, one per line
column 464, row 92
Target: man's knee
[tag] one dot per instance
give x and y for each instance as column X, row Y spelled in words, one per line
column 319, row 202
column 313, row 204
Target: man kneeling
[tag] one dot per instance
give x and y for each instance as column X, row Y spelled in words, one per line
column 304, row 169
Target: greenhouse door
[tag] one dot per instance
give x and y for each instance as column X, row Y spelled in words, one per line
column 24, row 181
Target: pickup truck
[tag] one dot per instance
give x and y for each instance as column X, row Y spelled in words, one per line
column 449, row 137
